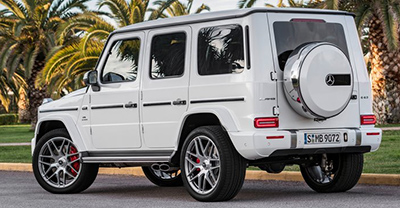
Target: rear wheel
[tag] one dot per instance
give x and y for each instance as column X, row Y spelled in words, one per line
column 212, row 170
column 160, row 177
column 57, row 164
column 335, row 172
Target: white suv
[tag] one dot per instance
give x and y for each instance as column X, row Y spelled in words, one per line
column 195, row 100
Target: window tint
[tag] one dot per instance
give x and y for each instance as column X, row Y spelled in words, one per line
column 290, row 35
column 220, row 50
column 122, row 61
column 168, row 55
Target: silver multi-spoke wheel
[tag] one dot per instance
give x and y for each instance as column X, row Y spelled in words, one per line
column 212, row 170
column 202, row 165
column 59, row 162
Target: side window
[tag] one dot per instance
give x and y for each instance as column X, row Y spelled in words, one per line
column 122, row 61
column 167, row 55
column 220, row 50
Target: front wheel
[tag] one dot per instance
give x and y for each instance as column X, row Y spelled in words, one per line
column 57, row 164
column 335, row 172
column 212, row 170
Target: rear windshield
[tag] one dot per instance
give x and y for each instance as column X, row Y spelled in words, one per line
column 290, row 35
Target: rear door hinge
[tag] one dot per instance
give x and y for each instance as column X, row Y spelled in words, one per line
column 274, row 77
column 275, row 110
column 142, row 129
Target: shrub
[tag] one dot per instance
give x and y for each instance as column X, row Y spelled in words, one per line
column 7, row 119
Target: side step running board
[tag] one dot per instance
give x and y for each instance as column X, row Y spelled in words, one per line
column 139, row 160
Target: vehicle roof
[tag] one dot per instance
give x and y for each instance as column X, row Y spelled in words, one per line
column 220, row 15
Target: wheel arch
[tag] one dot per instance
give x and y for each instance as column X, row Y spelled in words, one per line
column 56, row 122
column 202, row 117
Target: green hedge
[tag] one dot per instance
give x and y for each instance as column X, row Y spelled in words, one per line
column 7, row 119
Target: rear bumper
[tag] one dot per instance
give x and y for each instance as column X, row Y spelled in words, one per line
column 270, row 143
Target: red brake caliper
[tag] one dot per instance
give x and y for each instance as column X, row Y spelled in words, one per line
column 73, row 150
column 198, row 161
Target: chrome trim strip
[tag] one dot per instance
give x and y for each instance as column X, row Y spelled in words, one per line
column 358, row 137
column 293, row 140
column 217, row 100
column 106, row 106
column 58, row 110
column 156, row 104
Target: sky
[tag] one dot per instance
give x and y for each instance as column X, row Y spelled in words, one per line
column 215, row 5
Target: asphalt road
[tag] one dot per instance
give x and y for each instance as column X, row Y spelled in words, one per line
column 19, row 189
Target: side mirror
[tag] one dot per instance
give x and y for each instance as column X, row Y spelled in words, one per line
column 90, row 78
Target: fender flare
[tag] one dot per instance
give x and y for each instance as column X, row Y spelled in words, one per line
column 223, row 114
column 69, row 123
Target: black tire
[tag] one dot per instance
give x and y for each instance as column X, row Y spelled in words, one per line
column 87, row 172
column 232, row 166
column 175, row 180
column 346, row 174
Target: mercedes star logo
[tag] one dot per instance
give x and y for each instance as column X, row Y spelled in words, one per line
column 330, row 79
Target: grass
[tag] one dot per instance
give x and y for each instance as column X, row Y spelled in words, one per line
column 16, row 154
column 15, row 133
column 385, row 160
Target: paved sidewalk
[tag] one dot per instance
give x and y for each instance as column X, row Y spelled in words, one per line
column 14, row 144
column 390, row 128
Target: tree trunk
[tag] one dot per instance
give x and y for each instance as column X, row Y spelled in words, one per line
column 35, row 95
column 385, row 74
column 23, row 113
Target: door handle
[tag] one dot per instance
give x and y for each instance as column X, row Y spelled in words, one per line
column 131, row 105
column 179, row 102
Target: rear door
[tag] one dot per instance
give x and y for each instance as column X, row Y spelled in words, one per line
column 165, row 85
column 289, row 31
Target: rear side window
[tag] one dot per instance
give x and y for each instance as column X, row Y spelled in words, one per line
column 122, row 61
column 220, row 50
column 290, row 35
column 168, row 55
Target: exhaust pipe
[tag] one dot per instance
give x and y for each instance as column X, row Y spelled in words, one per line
column 155, row 167
column 163, row 167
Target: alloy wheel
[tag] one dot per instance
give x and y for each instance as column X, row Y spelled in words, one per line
column 202, row 165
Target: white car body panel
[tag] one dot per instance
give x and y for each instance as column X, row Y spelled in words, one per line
column 235, row 99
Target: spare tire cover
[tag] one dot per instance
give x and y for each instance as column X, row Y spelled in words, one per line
column 318, row 80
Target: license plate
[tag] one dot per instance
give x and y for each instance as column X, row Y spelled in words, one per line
column 321, row 138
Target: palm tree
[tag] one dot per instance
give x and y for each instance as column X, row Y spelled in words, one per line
column 67, row 65
column 381, row 18
column 174, row 8
column 31, row 37
column 10, row 84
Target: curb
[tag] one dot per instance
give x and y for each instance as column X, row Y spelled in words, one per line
column 367, row 178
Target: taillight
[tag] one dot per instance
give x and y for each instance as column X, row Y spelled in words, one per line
column 275, row 137
column 373, row 134
column 271, row 122
column 368, row 119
